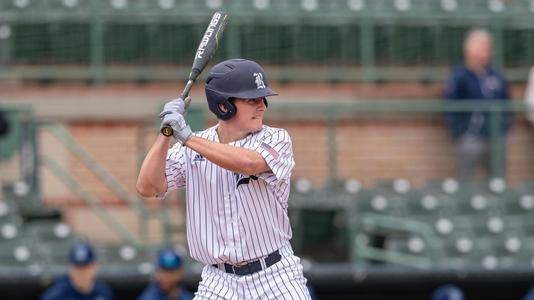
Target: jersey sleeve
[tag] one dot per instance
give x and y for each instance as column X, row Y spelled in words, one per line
column 277, row 150
column 175, row 167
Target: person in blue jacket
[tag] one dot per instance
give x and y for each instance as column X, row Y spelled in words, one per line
column 168, row 279
column 81, row 283
column 448, row 292
column 475, row 79
column 529, row 295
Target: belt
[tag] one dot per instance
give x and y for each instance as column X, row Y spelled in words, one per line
column 252, row 267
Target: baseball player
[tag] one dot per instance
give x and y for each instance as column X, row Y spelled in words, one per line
column 236, row 175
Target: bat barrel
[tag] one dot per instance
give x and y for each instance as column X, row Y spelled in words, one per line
column 205, row 51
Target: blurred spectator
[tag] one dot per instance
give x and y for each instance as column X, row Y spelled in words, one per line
column 4, row 128
column 81, row 283
column 168, row 279
column 4, row 125
column 311, row 289
column 448, row 292
column 475, row 80
column 529, row 96
column 529, row 295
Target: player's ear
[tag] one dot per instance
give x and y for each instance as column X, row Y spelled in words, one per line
column 223, row 108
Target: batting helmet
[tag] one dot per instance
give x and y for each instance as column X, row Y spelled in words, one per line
column 235, row 78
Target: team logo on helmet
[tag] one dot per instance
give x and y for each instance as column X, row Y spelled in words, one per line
column 259, row 80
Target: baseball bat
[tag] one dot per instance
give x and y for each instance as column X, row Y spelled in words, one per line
column 206, row 48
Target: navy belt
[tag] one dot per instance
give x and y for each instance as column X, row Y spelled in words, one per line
column 252, row 267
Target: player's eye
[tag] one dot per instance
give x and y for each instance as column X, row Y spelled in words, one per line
column 253, row 101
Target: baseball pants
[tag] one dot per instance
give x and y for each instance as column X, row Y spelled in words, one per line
column 283, row 280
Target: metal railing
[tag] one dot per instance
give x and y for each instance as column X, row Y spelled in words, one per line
column 366, row 225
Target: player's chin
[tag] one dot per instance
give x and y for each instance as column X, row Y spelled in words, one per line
column 256, row 124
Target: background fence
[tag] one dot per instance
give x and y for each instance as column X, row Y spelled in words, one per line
column 337, row 40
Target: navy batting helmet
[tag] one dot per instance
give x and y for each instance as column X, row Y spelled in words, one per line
column 235, row 78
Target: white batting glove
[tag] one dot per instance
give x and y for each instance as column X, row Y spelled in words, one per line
column 176, row 105
column 173, row 115
column 180, row 130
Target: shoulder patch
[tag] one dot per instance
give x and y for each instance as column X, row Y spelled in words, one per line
column 270, row 149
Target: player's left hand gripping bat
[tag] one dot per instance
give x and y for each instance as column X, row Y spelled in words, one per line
column 205, row 51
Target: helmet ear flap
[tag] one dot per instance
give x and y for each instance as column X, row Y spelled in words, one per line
column 230, row 110
column 214, row 99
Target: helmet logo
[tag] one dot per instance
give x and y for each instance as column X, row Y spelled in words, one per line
column 259, row 80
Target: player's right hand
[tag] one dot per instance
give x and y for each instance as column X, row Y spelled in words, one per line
column 176, row 105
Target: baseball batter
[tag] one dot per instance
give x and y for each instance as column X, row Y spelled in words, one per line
column 236, row 175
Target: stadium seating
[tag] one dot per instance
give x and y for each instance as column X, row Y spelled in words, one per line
column 19, row 257
column 56, row 256
column 321, row 216
column 49, row 231
column 440, row 224
column 10, row 227
column 8, row 209
column 126, row 259
column 481, row 226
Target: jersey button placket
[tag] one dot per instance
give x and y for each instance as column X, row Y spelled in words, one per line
column 236, row 234
column 235, row 224
column 228, row 217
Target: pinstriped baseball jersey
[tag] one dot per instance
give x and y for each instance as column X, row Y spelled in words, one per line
column 233, row 218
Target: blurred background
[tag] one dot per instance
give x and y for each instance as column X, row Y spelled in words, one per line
column 375, row 209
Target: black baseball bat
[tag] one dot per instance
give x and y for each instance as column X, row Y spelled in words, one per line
column 206, row 50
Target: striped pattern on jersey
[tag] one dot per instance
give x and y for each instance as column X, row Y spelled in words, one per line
column 283, row 280
column 232, row 218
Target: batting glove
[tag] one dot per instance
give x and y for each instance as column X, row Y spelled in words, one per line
column 176, row 105
column 173, row 115
column 180, row 130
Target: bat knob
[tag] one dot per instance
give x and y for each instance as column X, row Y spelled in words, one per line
column 167, row 131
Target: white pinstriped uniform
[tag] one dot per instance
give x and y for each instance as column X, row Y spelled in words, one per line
column 235, row 219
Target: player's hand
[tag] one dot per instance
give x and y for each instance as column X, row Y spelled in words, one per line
column 176, row 105
column 181, row 131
